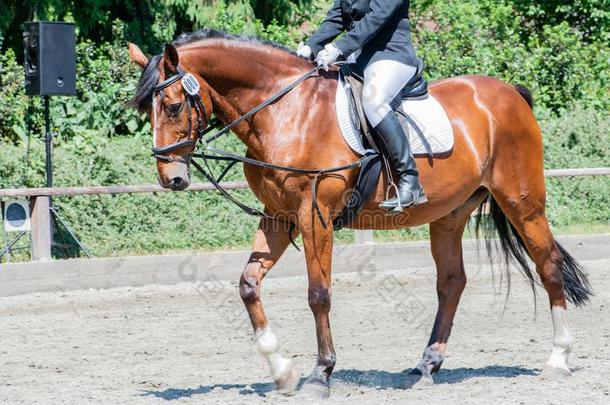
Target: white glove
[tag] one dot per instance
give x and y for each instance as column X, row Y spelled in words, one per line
column 304, row 51
column 327, row 56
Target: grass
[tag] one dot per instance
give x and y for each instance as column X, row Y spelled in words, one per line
column 421, row 233
column 343, row 237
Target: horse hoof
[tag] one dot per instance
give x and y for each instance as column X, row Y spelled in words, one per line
column 424, row 382
column 418, row 381
column 316, row 388
column 555, row 372
column 287, row 385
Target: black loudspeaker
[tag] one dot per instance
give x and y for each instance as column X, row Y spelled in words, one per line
column 50, row 59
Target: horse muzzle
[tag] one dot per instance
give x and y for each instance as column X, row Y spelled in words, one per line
column 179, row 183
column 176, row 177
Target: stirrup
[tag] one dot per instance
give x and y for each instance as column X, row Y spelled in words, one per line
column 396, row 209
column 416, row 201
column 421, row 199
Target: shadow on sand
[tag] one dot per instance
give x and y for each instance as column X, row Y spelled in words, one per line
column 259, row 389
column 403, row 380
column 378, row 379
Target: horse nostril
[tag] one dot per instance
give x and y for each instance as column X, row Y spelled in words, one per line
column 177, row 182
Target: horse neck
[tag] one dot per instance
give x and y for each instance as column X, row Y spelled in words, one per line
column 241, row 76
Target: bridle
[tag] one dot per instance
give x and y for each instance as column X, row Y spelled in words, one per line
column 191, row 89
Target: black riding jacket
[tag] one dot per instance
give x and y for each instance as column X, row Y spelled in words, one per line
column 380, row 28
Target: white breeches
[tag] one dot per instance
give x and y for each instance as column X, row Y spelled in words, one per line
column 383, row 80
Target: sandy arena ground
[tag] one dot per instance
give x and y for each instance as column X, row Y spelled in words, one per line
column 191, row 343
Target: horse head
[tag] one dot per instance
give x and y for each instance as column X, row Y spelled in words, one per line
column 178, row 103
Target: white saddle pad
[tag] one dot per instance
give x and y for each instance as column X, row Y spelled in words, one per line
column 429, row 126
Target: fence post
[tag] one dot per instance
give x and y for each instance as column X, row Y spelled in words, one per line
column 363, row 237
column 41, row 228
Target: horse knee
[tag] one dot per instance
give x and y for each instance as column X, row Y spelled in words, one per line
column 249, row 286
column 452, row 284
column 319, row 299
column 248, row 290
column 459, row 281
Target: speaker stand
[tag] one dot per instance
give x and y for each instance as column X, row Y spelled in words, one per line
column 8, row 246
column 56, row 218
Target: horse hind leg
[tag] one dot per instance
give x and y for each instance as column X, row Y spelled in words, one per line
column 270, row 243
column 446, row 243
column 516, row 182
column 528, row 232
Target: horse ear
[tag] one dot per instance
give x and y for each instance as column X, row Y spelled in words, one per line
column 137, row 56
column 170, row 58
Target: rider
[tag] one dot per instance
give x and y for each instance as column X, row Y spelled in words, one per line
column 378, row 33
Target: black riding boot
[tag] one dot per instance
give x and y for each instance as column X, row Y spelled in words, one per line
column 397, row 146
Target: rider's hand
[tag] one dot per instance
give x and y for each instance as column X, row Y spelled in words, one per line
column 327, row 56
column 304, row 51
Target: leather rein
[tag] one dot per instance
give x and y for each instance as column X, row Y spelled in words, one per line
column 205, row 125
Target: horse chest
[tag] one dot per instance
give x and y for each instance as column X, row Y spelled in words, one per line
column 277, row 191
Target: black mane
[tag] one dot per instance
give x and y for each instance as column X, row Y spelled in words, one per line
column 150, row 76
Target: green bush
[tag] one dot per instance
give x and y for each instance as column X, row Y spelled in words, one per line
column 558, row 50
column 492, row 38
column 589, row 17
column 579, row 138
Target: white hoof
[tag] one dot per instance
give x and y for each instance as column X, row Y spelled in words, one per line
column 553, row 372
column 315, row 390
column 288, row 383
column 557, row 365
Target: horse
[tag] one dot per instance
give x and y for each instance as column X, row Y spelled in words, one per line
column 497, row 159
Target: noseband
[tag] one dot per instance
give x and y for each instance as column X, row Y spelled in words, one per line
column 191, row 89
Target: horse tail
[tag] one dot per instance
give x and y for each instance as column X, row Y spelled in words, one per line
column 508, row 243
column 575, row 283
column 525, row 93
column 512, row 247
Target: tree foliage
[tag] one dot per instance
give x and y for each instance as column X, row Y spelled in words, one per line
column 496, row 38
column 565, row 60
column 149, row 23
column 589, row 17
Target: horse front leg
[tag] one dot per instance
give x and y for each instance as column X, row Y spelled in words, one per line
column 318, row 245
column 270, row 243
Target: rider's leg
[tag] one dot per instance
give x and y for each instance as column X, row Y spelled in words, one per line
column 383, row 80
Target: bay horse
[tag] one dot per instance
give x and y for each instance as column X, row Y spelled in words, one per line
column 497, row 157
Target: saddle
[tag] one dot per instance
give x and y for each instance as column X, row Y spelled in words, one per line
column 415, row 89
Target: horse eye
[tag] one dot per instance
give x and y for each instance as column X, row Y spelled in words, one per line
column 174, row 109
